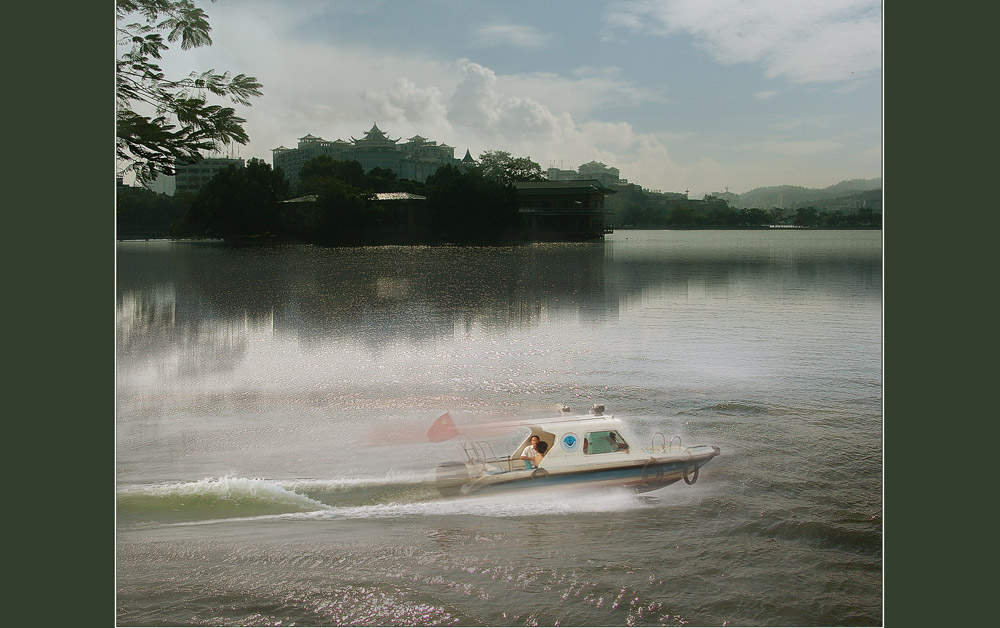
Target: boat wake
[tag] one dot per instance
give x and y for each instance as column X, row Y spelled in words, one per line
column 214, row 500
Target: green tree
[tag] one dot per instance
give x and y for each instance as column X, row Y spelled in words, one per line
column 238, row 203
column 866, row 217
column 501, row 166
column 682, row 216
column 470, row 207
column 319, row 173
column 142, row 213
column 806, row 217
column 753, row 218
column 345, row 217
column 160, row 121
column 723, row 216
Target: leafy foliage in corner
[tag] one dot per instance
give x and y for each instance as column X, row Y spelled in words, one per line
column 182, row 122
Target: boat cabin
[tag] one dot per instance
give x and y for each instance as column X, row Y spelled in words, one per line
column 570, row 441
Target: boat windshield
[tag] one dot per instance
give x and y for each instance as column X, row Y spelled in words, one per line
column 604, row 442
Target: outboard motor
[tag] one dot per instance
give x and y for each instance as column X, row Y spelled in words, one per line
column 451, row 476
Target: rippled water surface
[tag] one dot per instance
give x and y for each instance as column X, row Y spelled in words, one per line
column 272, row 402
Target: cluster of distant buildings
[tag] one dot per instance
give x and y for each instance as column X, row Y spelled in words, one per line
column 416, row 159
column 574, row 200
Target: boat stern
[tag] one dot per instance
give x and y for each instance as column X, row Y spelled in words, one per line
column 451, row 477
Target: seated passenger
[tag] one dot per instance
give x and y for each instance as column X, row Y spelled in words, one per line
column 529, row 453
column 541, row 448
column 616, row 445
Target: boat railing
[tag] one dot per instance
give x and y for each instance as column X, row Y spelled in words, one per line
column 482, row 456
column 652, row 441
column 664, row 447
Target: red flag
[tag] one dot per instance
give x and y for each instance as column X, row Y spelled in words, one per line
column 442, row 429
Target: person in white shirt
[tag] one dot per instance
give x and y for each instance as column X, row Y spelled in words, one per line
column 530, row 453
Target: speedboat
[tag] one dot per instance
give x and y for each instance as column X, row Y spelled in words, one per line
column 596, row 449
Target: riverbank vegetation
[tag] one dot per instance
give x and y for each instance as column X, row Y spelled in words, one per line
column 335, row 204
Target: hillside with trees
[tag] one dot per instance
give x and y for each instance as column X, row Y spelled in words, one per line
column 797, row 196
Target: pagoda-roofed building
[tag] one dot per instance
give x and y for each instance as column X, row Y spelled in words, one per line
column 309, row 139
column 415, row 159
column 374, row 137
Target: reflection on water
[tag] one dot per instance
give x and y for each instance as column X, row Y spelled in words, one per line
column 205, row 300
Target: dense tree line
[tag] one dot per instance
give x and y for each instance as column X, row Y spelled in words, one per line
column 469, row 206
column 237, row 203
column 142, row 213
column 462, row 206
column 640, row 212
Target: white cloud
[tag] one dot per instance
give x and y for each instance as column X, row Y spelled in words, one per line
column 406, row 102
column 527, row 127
column 582, row 94
column 802, row 41
column 479, row 105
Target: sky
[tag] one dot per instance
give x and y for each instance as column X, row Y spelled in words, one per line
column 696, row 96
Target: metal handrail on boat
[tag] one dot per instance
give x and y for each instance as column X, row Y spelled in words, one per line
column 476, row 452
column 664, row 447
column 652, row 441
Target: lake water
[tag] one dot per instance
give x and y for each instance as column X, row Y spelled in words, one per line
column 271, row 404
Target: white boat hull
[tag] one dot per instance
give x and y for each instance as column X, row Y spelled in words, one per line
column 651, row 473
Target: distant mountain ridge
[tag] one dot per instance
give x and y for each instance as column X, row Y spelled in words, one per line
column 791, row 196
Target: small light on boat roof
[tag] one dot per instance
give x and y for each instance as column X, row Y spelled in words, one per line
column 598, row 409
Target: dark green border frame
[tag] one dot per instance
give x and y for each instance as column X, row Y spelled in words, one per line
column 62, row 219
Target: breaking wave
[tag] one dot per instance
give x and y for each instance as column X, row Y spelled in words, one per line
column 234, row 498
